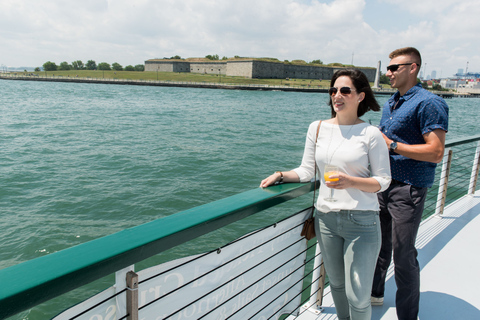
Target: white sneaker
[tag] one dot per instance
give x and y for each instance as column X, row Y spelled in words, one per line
column 376, row 301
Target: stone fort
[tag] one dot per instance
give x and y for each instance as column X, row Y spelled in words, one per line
column 250, row 68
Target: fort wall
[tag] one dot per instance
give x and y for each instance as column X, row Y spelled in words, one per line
column 265, row 69
column 309, row 72
column 208, row 67
column 251, row 69
column 168, row 66
column 240, row 68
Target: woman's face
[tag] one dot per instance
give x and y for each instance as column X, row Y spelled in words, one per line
column 346, row 103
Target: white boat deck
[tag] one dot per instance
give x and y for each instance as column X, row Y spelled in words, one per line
column 449, row 257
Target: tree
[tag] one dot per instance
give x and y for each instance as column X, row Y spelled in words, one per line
column 50, row 66
column 78, row 65
column 37, row 69
column 318, row 61
column 116, row 66
column 176, row 57
column 214, row 57
column 91, row 65
column 139, row 67
column 384, row 79
column 129, row 68
column 104, row 66
column 64, row 66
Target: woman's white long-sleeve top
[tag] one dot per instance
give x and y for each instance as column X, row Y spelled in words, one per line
column 358, row 150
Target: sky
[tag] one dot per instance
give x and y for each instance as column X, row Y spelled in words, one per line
column 361, row 32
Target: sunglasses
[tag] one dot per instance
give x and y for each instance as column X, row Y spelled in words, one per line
column 394, row 67
column 343, row 90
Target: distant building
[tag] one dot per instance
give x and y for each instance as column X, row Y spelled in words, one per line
column 470, row 86
column 462, row 85
column 249, row 68
column 434, row 74
column 452, row 84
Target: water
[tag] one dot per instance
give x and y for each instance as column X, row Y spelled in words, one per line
column 81, row 161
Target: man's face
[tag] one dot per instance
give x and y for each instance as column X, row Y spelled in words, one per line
column 400, row 77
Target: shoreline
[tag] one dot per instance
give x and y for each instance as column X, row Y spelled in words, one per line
column 201, row 85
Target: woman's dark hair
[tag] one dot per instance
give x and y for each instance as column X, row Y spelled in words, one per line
column 361, row 84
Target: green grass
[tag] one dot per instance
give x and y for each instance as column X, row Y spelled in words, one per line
column 177, row 76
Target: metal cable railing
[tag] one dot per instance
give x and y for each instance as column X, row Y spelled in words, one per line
column 231, row 278
column 461, row 165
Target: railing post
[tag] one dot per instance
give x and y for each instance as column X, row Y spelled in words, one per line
column 476, row 165
column 132, row 296
column 443, row 184
column 321, row 284
column 317, row 287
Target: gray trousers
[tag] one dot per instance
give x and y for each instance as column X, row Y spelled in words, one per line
column 350, row 242
column 401, row 208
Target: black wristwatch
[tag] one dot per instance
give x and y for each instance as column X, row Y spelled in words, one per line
column 393, row 146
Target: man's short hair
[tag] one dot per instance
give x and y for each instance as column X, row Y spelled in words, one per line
column 408, row 51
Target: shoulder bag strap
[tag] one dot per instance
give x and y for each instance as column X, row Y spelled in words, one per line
column 315, row 163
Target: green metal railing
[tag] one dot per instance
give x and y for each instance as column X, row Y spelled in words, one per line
column 30, row 283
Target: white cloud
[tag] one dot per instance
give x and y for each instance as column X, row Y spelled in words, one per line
column 444, row 31
column 130, row 32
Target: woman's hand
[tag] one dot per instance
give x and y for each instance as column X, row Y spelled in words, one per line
column 270, row 180
column 284, row 176
column 345, row 181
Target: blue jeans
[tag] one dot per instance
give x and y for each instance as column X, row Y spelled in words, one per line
column 350, row 241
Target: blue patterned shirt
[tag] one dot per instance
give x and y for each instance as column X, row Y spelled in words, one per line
column 406, row 119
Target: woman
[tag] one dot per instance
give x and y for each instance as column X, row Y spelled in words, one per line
column 347, row 226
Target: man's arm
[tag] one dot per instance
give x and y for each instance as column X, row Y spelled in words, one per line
column 431, row 151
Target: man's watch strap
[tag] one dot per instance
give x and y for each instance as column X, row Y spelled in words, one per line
column 393, row 146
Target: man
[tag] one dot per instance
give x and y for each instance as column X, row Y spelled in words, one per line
column 414, row 124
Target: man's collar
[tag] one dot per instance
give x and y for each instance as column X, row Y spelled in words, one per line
column 395, row 99
column 410, row 93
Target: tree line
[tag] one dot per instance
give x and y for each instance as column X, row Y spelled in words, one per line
column 90, row 65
